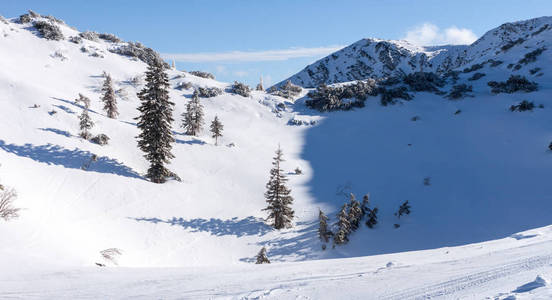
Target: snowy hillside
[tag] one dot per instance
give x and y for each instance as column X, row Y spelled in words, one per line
column 472, row 170
column 374, row 58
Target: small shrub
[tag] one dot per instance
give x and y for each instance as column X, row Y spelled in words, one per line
column 139, row 51
column 75, row 39
column 424, row 81
column 326, row 98
column 532, row 56
column 48, row 31
column 523, row 106
column 415, row 118
column 457, row 112
column 3, row 20
column 534, row 71
column 109, row 37
column 288, row 90
column 474, row 67
column 111, row 255
column 208, row 92
column 100, row 139
column 90, row 35
column 495, row 63
column 298, row 171
column 513, row 84
column 54, row 19
column 511, row 44
column 24, row 19
column 476, row 76
column 202, row 74
column 459, row 91
column 404, row 209
column 240, row 89
column 550, row 146
column 262, row 258
column 183, row 86
column 388, row 96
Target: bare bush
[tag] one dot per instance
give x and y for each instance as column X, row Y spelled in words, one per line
column 140, row 52
column 90, row 35
column 109, row 37
column 111, row 254
column 7, row 210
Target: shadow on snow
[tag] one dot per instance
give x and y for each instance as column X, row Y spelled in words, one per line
column 72, row 159
column 218, row 227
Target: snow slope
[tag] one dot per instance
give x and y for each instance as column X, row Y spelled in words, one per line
column 488, row 170
column 376, row 58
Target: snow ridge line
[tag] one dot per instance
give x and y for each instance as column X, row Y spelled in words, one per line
column 472, row 280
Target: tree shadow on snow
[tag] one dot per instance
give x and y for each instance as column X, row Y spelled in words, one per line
column 191, row 142
column 218, row 227
column 302, row 244
column 73, row 103
column 57, row 131
column 72, row 159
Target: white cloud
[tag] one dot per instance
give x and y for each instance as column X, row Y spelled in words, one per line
column 429, row 34
column 243, row 56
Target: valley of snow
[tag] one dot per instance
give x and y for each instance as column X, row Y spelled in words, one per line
column 488, row 173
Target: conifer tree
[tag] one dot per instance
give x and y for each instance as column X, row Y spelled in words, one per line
column 323, row 226
column 372, row 217
column 344, row 228
column 262, row 258
column 85, row 123
column 110, row 103
column 278, row 195
column 355, row 213
column 155, row 120
column 192, row 118
column 216, row 129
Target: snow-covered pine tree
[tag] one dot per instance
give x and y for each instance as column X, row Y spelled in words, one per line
column 110, row 103
column 323, row 226
column 85, row 123
column 355, row 213
column 192, row 118
column 155, row 120
column 343, row 227
column 262, row 258
column 216, row 129
column 372, row 217
column 278, row 195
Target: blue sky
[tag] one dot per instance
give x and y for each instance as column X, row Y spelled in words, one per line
column 244, row 39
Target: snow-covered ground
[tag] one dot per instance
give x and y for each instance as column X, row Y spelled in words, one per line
column 488, row 168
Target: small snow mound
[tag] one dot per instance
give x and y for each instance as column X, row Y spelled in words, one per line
column 537, row 283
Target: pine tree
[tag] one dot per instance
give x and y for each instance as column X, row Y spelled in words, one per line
column 216, row 129
column 262, row 258
column 85, row 123
column 110, row 102
column 154, row 122
column 372, row 217
column 355, row 213
column 192, row 119
column 278, row 195
column 323, row 226
column 344, row 228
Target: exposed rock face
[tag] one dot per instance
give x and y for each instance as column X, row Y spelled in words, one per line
column 375, row 58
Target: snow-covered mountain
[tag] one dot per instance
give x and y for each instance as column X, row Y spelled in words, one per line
column 375, row 58
column 475, row 173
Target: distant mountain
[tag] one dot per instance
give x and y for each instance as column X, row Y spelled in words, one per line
column 375, row 58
